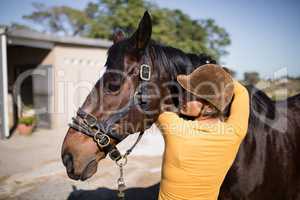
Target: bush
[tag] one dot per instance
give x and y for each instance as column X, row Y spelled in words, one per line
column 29, row 120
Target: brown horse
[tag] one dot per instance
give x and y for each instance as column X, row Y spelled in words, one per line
column 266, row 166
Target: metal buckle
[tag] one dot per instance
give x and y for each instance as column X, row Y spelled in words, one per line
column 115, row 154
column 90, row 120
column 145, row 72
column 102, row 140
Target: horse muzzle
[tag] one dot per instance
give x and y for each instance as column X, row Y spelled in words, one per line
column 89, row 170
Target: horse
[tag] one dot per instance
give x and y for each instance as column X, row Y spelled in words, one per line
column 266, row 166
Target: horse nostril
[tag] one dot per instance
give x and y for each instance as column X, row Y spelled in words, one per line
column 68, row 162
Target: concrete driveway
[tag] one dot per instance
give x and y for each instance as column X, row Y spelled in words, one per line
column 30, row 168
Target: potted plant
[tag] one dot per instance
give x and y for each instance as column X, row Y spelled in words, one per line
column 27, row 122
column 26, row 125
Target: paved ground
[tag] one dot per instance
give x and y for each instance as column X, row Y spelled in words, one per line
column 31, row 169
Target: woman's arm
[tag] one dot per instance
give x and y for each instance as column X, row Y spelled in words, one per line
column 239, row 111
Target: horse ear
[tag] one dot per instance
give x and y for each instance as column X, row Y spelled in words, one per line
column 118, row 36
column 142, row 36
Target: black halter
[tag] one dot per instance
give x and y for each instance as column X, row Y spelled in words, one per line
column 102, row 131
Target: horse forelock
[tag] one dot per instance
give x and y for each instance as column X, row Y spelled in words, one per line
column 115, row 56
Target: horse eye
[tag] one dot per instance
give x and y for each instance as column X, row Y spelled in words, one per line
column 112, row 87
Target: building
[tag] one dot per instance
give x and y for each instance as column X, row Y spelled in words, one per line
column 52, row 74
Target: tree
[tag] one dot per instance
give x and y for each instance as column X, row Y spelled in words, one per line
column 61, row 20
column 99, row 20
column 16, row 25
column 251, row 77
column 217, row 37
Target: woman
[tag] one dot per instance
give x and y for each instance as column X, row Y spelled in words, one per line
column 199, row 152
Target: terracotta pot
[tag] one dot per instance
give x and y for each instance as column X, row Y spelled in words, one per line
column 24, row 129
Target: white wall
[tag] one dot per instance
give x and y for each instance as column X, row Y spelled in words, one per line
column 76, row 70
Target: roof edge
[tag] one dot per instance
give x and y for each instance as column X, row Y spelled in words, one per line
column 34, row 35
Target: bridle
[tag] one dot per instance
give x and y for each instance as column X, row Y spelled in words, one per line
column 102, row 131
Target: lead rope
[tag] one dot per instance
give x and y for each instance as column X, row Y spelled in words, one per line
column 121, row 183
column 121, row 163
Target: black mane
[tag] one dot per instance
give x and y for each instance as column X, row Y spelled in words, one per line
column 175, row 61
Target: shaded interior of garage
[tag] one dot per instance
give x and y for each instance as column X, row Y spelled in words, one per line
column 22, row 61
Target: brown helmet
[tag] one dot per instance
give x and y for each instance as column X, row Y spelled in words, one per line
column 211, row 83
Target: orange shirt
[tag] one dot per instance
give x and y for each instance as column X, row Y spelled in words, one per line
column 198, row 155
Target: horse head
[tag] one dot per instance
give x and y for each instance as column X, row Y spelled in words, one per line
column 121, row 91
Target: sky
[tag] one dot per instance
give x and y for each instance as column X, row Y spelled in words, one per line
column 265, row 34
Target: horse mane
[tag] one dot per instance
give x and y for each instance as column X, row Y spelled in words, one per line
column 175, row 61
column 260, row 103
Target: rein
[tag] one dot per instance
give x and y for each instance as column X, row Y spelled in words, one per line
column 102, row 131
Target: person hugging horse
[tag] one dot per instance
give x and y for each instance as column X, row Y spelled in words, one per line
column 200, row 151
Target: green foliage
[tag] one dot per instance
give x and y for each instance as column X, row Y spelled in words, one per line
column 170, row 27
column 15, row 25
column 59, row 19
column 28, row 120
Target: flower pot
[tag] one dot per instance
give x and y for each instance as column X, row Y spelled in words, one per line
column 23, row 129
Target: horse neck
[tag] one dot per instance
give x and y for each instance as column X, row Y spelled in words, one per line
column 169, row 62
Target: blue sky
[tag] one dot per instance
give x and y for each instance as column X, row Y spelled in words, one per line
column 265, row 34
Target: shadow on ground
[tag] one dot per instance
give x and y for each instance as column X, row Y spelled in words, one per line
column 148, row 193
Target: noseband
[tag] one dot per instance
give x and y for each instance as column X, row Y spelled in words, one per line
column 102, row 131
